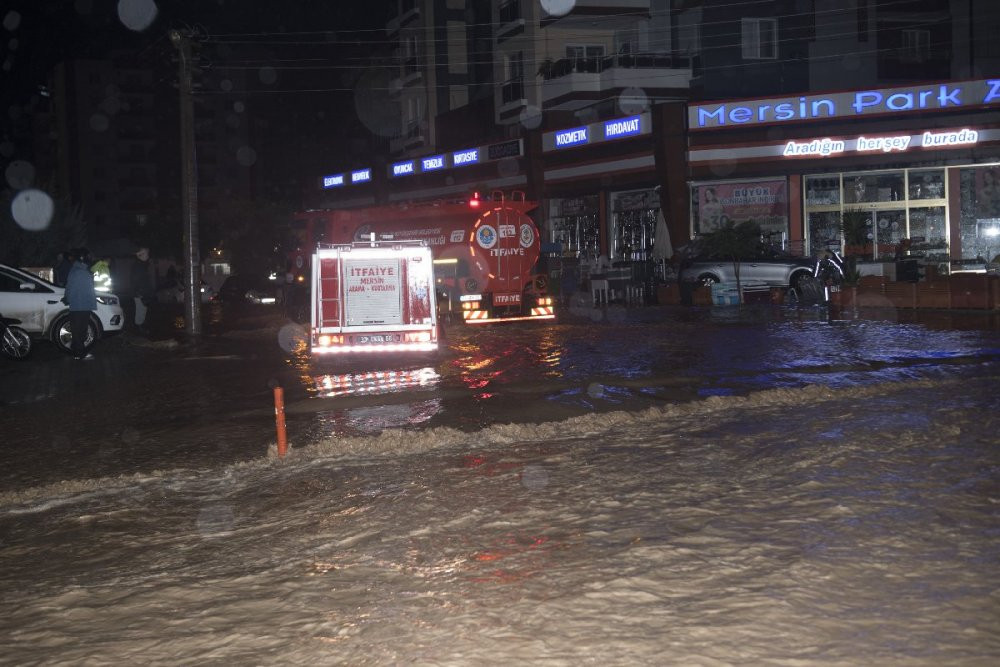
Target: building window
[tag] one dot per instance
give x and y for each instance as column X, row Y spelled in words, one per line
column 510, row 11
column 862, row 22
column 916, row 44
column 760, row 39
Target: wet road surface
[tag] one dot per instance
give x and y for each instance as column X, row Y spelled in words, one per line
column 166, row 402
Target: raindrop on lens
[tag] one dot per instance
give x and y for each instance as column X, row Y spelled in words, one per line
column 215, row 519
column 137, row 15
column 246, row 156
column 20, row 174
column 99, row 122
column 226, row 85
column 633, row 100
column 558, row 7
column 291, row 337
column 32, row 210
column 595, row 390
column 11, row 21
column 268, row 75
column 531, row 117
column 534, row 477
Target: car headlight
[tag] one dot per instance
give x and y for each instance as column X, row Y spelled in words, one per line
column 107, row 299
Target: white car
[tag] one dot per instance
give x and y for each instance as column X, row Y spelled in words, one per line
column 38, row 304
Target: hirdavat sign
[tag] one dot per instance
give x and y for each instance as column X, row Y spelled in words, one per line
column 879, row 101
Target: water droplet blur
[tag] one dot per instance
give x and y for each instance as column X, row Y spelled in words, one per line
column 20, row 174
column 531, row 117
column 292, row 338
column 376, row 107
column 216, row 519
column 99, row 122
column 534, row 477
column 246, row 156
column 13, row 44
column 267, row 75
column 595, row 390
column 12, row 20
column 239, row 107
column 558, row 7
column 137, row 15
column 32, row 210
column 633, row 100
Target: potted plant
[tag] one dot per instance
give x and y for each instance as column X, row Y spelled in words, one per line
column 856, row 227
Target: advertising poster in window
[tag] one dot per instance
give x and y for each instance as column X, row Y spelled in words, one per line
column 765, row 202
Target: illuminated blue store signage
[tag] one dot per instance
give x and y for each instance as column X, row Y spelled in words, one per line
column 333, row 181
column 402, row 168
column 574, row 137
column 622, row 127
column 880, row 101
column 361, row 176
column 462, row 158
column 432, row 163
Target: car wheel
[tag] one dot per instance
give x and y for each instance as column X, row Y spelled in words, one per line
column 707, row 280
column 63, row 337
column 16, row 342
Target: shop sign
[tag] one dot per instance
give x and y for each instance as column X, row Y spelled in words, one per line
column 361, row 176
column 402, row 168
column 432, row 163
column 333, row 181
column 462, row 158
column 622, row 127
column 574, row 137
column 719, row 203
column 900, row 143
column 879, row 101
column 504, row 149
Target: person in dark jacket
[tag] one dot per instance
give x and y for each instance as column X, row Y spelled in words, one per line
column 62, row 267
column 141, row 284
column 81, row 298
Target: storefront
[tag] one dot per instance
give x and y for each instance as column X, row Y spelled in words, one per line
column 864, row 169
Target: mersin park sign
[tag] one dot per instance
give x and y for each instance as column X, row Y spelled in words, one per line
column 848, row 104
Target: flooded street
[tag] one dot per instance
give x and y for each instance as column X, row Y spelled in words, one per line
column 646, row 486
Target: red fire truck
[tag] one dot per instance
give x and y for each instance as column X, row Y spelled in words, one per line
column 485, row 251
column 374, row 297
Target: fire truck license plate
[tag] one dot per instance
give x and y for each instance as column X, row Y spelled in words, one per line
column 374, row 339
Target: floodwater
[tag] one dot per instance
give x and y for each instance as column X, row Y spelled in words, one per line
column 649, row 486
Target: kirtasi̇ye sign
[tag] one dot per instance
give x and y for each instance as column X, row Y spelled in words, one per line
column 847, row 104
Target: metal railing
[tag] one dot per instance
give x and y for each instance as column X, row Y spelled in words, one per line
column 566, row 66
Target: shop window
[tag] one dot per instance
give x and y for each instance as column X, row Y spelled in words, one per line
column 916, row 45
column 824, row 231
column 868, row 188
column 927, row 184
column 980, row 212
column 760, row 39
column 823, row 191
column 928, row 232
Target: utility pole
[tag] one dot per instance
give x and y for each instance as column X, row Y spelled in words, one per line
column 189, row 190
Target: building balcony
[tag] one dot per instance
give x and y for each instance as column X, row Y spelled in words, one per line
column 573, row 84
column 511, row 20
column 409, row 13
column 611, row 13
column 512, row 96
column 412, row 138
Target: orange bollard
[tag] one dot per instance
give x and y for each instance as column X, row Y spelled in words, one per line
column 279, row 418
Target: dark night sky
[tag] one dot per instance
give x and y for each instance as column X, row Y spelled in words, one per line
column 37, row 34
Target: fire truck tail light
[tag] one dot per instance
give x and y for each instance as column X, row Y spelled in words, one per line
column 475, row 201
column 326, row 340
column 418, row 337
column 544, row 301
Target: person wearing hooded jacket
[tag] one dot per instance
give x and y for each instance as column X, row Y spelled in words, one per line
column 81, row 298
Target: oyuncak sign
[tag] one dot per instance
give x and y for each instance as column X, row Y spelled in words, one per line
column 848, row 104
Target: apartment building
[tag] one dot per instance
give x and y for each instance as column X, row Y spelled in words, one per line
column 593, row 102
